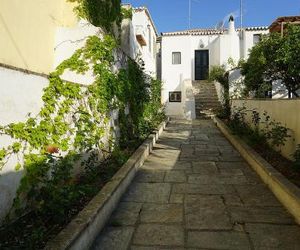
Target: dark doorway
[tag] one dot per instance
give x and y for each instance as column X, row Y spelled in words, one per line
column 201, row 64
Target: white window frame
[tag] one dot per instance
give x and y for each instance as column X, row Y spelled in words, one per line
column 174, row 61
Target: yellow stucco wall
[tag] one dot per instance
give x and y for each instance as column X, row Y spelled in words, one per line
column 27, row 31
column 285, row 111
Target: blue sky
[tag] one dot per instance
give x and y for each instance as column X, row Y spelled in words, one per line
column 172, row 15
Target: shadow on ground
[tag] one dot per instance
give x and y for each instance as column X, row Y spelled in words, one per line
column 196, row 191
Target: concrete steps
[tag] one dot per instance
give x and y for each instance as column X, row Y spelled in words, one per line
column 206, row 99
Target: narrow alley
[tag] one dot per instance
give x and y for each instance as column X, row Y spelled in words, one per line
column 196, row 192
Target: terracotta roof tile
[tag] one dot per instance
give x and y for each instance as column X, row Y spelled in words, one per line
column 199, row 32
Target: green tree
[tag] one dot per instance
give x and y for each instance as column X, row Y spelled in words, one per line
column 274, row 58
column 287, row 63
column 254, row 70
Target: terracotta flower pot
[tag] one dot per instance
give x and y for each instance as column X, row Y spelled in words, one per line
column 51, row 149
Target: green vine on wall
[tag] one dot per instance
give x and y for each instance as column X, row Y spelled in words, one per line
column 100, row 13
column 75, row 122
column 126, row 13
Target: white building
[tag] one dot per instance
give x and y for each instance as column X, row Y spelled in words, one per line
column 139, row 38
column 188, row 55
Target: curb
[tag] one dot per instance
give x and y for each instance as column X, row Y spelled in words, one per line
column 285, row 191
column 81, row 232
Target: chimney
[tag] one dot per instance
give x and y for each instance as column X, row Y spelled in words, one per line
column 231, row 29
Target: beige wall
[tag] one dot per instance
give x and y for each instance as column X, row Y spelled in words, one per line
column 27, row 31
column 285, row 111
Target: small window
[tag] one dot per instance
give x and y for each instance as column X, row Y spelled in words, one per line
column 175, row 96
column 256, row 38
column 176, row 58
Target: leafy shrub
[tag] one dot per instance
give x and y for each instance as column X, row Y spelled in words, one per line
column 277, row 134
column 223, row 113
column 274, row 133
column 238, row 120
column 219, row 74
column 296, row 157
column 255, row 118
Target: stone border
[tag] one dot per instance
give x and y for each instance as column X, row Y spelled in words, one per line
column 81, row 232
column 285, row 191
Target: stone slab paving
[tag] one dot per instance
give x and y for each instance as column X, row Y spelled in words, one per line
column 196, row 192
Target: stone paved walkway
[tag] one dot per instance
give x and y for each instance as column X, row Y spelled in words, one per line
column 196, row 192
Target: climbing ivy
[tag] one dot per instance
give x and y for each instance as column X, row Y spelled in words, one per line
column 100, row 13
column 74, row 125
column 143, row 95
column 126, row 13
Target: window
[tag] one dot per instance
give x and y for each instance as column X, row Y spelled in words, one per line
column 176, row 58
column 256, row 38
column 175, row 96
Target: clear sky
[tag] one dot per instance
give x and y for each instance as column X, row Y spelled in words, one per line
column 172, row 15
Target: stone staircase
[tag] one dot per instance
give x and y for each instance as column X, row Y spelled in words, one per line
column 206, row 99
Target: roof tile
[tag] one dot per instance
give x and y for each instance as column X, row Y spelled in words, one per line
column 199, row 32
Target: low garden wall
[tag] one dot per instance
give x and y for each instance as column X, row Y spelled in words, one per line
column 287, row 112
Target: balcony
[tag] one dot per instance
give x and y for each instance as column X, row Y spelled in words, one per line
column 140, row 35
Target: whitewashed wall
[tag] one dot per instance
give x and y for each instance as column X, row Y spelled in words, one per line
column 221, row 48
column 247, row 42
column 220, row 92
column 67, row 41
column 148, row 52
column 279, row 91
column 20, row 95
column 236, row 85
column 173, row 75
column 188, row 100
column 229, row 48
column 128, row 41
column 210, row 43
